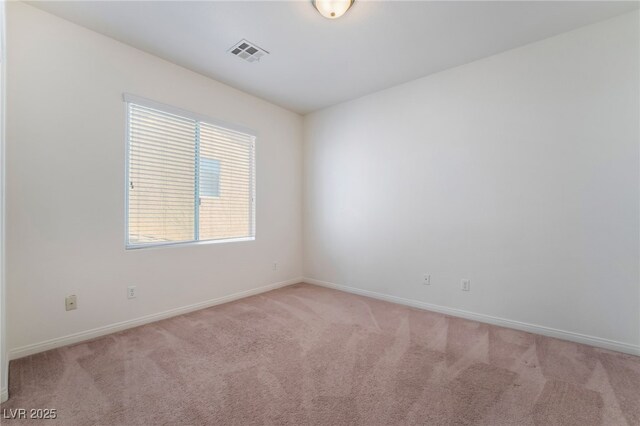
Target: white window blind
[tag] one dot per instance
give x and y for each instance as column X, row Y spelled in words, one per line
column 189, row 179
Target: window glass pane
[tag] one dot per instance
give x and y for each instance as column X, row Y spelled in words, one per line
column 229, row 214
column 161, row 177
column 209, row 177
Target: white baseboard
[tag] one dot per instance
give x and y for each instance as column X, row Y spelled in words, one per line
column 112, row 328
column 531, row 328
column 4, row 395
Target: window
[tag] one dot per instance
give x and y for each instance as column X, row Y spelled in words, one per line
column 189, row 178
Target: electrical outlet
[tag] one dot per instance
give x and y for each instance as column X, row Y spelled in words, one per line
column 427, row 279
column 465, row 285
column 71, row 302
column 275, row 266
column 132, row 292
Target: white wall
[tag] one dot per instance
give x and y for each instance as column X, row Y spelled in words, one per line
column 65, row 185
column 519, row 171
column 4, row 362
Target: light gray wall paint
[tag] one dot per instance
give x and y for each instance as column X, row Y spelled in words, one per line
column 519, row 171
column 65, row 184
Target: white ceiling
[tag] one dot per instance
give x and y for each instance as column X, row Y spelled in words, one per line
column 316, row 62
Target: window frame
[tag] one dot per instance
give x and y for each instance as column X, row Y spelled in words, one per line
column 133, row 99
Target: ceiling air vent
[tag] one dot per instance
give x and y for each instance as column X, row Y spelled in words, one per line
column 248, row 51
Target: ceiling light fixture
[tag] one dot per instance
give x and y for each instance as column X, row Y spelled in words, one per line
column 332, row 9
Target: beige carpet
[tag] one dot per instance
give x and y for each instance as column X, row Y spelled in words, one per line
column 309, row 355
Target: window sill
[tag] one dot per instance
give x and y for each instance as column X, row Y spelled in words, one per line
column 187, row 243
